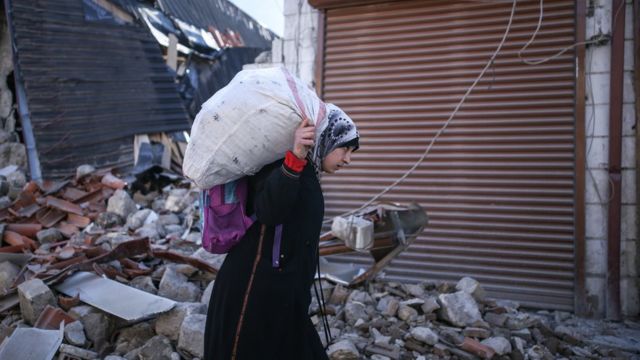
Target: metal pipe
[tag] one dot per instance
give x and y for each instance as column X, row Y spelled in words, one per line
column 615, row 159
column 580, row 294
column 23, row 108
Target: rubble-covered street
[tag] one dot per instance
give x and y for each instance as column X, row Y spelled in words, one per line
column 387, row 320
column 95, row 270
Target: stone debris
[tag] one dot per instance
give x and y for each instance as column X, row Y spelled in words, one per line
column 457, row 321
column 8, row 272
column 152, row 242
column 191, row 339
column 169, row 322
column 343, row 350
column 121, row 204
column 34, row 296
column 49, row 236
column 74, row 334
column 176, row 286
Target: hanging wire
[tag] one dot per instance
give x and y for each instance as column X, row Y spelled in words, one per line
column 441, row 130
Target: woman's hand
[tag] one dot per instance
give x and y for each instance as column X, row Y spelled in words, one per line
column 304, row 139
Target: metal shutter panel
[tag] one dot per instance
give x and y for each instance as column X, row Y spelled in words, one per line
column 499, row 183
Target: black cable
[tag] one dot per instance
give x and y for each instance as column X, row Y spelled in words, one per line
column 323, row 304
column 324, row 325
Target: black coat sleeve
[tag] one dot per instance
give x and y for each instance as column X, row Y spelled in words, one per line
column 276, row 191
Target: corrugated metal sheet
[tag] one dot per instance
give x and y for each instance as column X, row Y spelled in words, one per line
column 499, row 183
column 90, row 85
column 221, row 15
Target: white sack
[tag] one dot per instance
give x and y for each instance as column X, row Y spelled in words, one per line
column 245, row 125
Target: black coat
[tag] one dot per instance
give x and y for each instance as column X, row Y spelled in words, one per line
column 276, row 323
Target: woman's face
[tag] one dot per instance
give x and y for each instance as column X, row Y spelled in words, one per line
column 337, row 159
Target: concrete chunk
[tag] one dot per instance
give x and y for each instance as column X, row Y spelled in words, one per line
column 133, row 337
column 425, row 335
column 355, row 311
column 417, row 290
column 74, row 333
column 175, row 201
column 98, row 326
column 459, row 309
column 136, row 219
column 430, row 305
column 499, row 344
column 8, row 273
column 13, row 153
column 121, row 203
column 388, row 306
column 339, row 295
column 407, row 313
column 167, row 323
column 191, row 337
column 159, row 347
column 49, row 236
column 343, row 350
column 175, row 286
column 471, row 287
column 361, row 297
column 144, row 283
column 34, row 296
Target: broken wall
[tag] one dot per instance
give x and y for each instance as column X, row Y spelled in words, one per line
column 297, row 49
column 597, row 195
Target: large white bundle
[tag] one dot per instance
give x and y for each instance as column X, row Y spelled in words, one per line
column 247, row 124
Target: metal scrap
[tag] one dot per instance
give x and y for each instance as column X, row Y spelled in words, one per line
column 394, row 229
column 108, row 296
column 32, row 344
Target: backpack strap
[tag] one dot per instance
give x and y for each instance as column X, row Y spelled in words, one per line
column 217, row 195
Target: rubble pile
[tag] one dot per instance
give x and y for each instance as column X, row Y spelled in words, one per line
column 98, row 273
column 97, row 267
column 388, row 320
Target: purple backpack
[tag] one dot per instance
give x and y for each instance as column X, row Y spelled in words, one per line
column 225, row 221
column 223, row 212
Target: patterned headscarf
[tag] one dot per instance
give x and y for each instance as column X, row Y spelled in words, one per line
column 337, row 131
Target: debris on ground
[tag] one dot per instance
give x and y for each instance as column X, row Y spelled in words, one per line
column 97, row 267
column 388, row 320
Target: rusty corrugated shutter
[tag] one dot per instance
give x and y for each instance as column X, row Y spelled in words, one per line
column 499, row 183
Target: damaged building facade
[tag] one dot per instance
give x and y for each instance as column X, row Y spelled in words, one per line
column 531, row 189
column 92, row 81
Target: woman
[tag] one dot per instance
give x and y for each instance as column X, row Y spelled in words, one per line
column 261, row 297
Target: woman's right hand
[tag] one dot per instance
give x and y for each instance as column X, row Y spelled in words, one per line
column 304, row 139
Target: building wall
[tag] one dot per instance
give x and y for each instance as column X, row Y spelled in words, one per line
column 297, row 49
column 6, row 68
column 597, row 62
column 297, row 52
